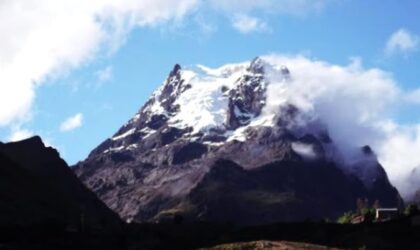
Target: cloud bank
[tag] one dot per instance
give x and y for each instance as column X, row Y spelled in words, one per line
column 357, row 105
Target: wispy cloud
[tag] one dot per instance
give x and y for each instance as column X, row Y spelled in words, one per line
column 103, row 75
column 413, row 97
column 247, row 24
column 296, row 7
column 72, row 123
column 241, row 11
column 402, row 41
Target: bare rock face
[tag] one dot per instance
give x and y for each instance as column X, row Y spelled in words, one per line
column 206, row 148
column 247, row 99
column 37, row 186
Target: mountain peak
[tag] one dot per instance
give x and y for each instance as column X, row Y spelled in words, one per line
column 175, row 71
column 367, row 150
column 198, row 117
column 257, row 66
column 215, row 107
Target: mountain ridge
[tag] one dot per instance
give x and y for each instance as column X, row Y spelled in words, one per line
column 37, row 187
column 196, row 118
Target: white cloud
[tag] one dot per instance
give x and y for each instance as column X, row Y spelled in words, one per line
column 413, row 96
column 20, row 134
column 206, row 27
column 297, row 7
column 44, row 38
column 402, row 41
column 305, row 150
column 105, row 74
column 399, row 153
column 72, row 123
column 350, row 99
column 246, row 24
column 357, row 105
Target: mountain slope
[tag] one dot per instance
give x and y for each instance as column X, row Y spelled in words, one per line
column 37, row 186
column 210, row 141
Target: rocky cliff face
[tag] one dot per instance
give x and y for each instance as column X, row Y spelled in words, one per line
column 37, row 187
column 209, row 145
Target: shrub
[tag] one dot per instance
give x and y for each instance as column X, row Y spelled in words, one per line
column 345, row 218
column 368, row 214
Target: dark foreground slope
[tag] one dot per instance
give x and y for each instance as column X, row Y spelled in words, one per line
column 37, row 187
column 382, row 236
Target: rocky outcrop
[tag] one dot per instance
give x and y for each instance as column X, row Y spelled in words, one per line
column 248, row 98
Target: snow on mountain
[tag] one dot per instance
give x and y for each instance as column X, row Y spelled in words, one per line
column 204, row 106
column 231, row 100
column 268, row 111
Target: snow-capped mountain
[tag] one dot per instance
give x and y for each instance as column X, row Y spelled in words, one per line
column 212, row 144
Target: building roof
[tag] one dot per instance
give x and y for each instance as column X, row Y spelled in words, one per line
column 387, row 209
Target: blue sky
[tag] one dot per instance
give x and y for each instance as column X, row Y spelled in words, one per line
column 105, row 82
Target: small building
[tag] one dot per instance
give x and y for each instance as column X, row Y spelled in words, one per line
column 358, row 219
column 385, row 214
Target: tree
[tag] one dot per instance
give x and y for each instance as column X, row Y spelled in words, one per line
column 345, row 218
column 368, row 214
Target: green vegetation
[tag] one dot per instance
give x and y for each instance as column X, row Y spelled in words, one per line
column 364, row 211
column 368, row 213
column 346, row 218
